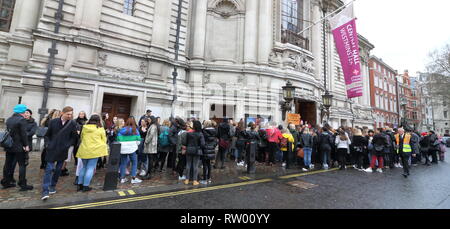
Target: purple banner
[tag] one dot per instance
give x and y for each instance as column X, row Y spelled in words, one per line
column 347, row 45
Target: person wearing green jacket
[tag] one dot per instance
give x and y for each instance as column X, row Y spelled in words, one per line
column 93, row 146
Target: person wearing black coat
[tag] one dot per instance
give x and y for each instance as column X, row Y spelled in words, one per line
column 195, row 145
column 18, row 153
column 173, row 139
column 251, row 147
column 379, row 143
column 62, row 133
column 433, row 147
column 359, row 145
column 31, row 127
column 326, row 142
column 223, row 133
column 209, row 153
column 425, row 148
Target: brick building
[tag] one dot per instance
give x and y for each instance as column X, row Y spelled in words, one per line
column 383, row 93
column 410, row 107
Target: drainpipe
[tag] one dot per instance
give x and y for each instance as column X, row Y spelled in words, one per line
column 51, row 61
column 177, row 49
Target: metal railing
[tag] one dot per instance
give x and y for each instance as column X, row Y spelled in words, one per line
column 290, row 37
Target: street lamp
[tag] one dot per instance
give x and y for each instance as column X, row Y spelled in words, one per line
column 327, row 101
column 288, row 96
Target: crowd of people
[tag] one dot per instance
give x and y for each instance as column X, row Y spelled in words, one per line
column 183, row 147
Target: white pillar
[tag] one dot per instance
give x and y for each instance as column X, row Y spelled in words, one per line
column 201, row 7
column 316, row 42
column 162, row 23
column 27, row 16
column 251, row 22
column 265, row 31
column 92, row 14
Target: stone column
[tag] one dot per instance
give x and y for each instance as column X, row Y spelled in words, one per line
column 265, row 31
column 199, row 39
column 161, row 24
column 26, row 16
column 250, row 39
column 92, row 14
column 316, row 41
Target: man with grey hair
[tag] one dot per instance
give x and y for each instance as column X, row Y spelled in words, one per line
column 403, row 146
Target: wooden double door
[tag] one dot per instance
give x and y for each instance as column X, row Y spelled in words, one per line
column 117, row 106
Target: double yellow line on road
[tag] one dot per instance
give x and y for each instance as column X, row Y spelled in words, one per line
column 185, row 192
column 134, row 199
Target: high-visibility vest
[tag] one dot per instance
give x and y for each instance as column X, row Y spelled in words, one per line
column 406, row 146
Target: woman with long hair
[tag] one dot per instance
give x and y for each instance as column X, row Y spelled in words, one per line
column 343, row 146
column 211, row 142
column 130, row 139
column 54, row 113
column 195, row 144
column 142, row 158
column 93, row 146
column 151, row 146
column 163, row 144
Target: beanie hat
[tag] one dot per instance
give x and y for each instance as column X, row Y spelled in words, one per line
column 20, row 109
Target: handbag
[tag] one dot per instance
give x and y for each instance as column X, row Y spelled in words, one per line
column 224, row 143
column 300, row 153
column 6, row 140
column 41, row 131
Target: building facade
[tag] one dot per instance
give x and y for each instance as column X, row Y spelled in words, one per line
column 383, row 84
column 410, row 103
column 117, row 56
column 435, row 109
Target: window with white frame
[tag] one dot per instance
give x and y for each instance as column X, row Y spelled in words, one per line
column 292, row 23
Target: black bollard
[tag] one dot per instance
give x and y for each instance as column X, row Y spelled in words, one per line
column 112, row 174
column 250, row 158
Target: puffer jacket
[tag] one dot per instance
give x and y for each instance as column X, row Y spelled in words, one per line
column 18, row 131
column 211, row 142
column 129, row 141
column 93, row 142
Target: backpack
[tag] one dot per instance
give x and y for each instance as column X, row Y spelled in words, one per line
column 163, row 138
column 284, row 142
column 6, row 140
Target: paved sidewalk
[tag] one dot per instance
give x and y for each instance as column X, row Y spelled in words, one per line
column 161, row 182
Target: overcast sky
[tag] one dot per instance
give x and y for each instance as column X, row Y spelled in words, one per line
column 404, row 31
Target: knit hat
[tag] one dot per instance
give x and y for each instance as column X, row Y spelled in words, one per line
column 20, row 109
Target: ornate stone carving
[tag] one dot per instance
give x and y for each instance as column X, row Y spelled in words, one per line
column 292, row 60
column 102, row 58
column 122, row 74
column 275, row 58
column 226, row 8
column 143, row 67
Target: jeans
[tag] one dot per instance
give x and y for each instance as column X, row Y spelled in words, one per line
column 192, row 162
column 181, row 164
column 124, row 162
column 221, row 156
column 52, row 173
column 307, row 157
column 326, row 157
column 374, row 159
column 206, row 169
column 342, row 153
column 142, row 158
column 162, row 159
column 87, row 172
column 152, row 160
column 405, row 158
column 10, row 165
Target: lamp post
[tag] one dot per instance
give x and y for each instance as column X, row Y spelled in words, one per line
column 327, row 98
column 327, row 101
column 288, row 96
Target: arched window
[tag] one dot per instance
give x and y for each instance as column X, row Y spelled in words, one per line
column 6, row 13
column 292, row 23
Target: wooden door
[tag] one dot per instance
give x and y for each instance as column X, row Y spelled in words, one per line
column 117, row 106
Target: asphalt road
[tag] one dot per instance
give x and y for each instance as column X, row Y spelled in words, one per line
column 427, row 188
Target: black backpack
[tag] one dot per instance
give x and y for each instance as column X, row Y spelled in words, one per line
column 6, row 140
